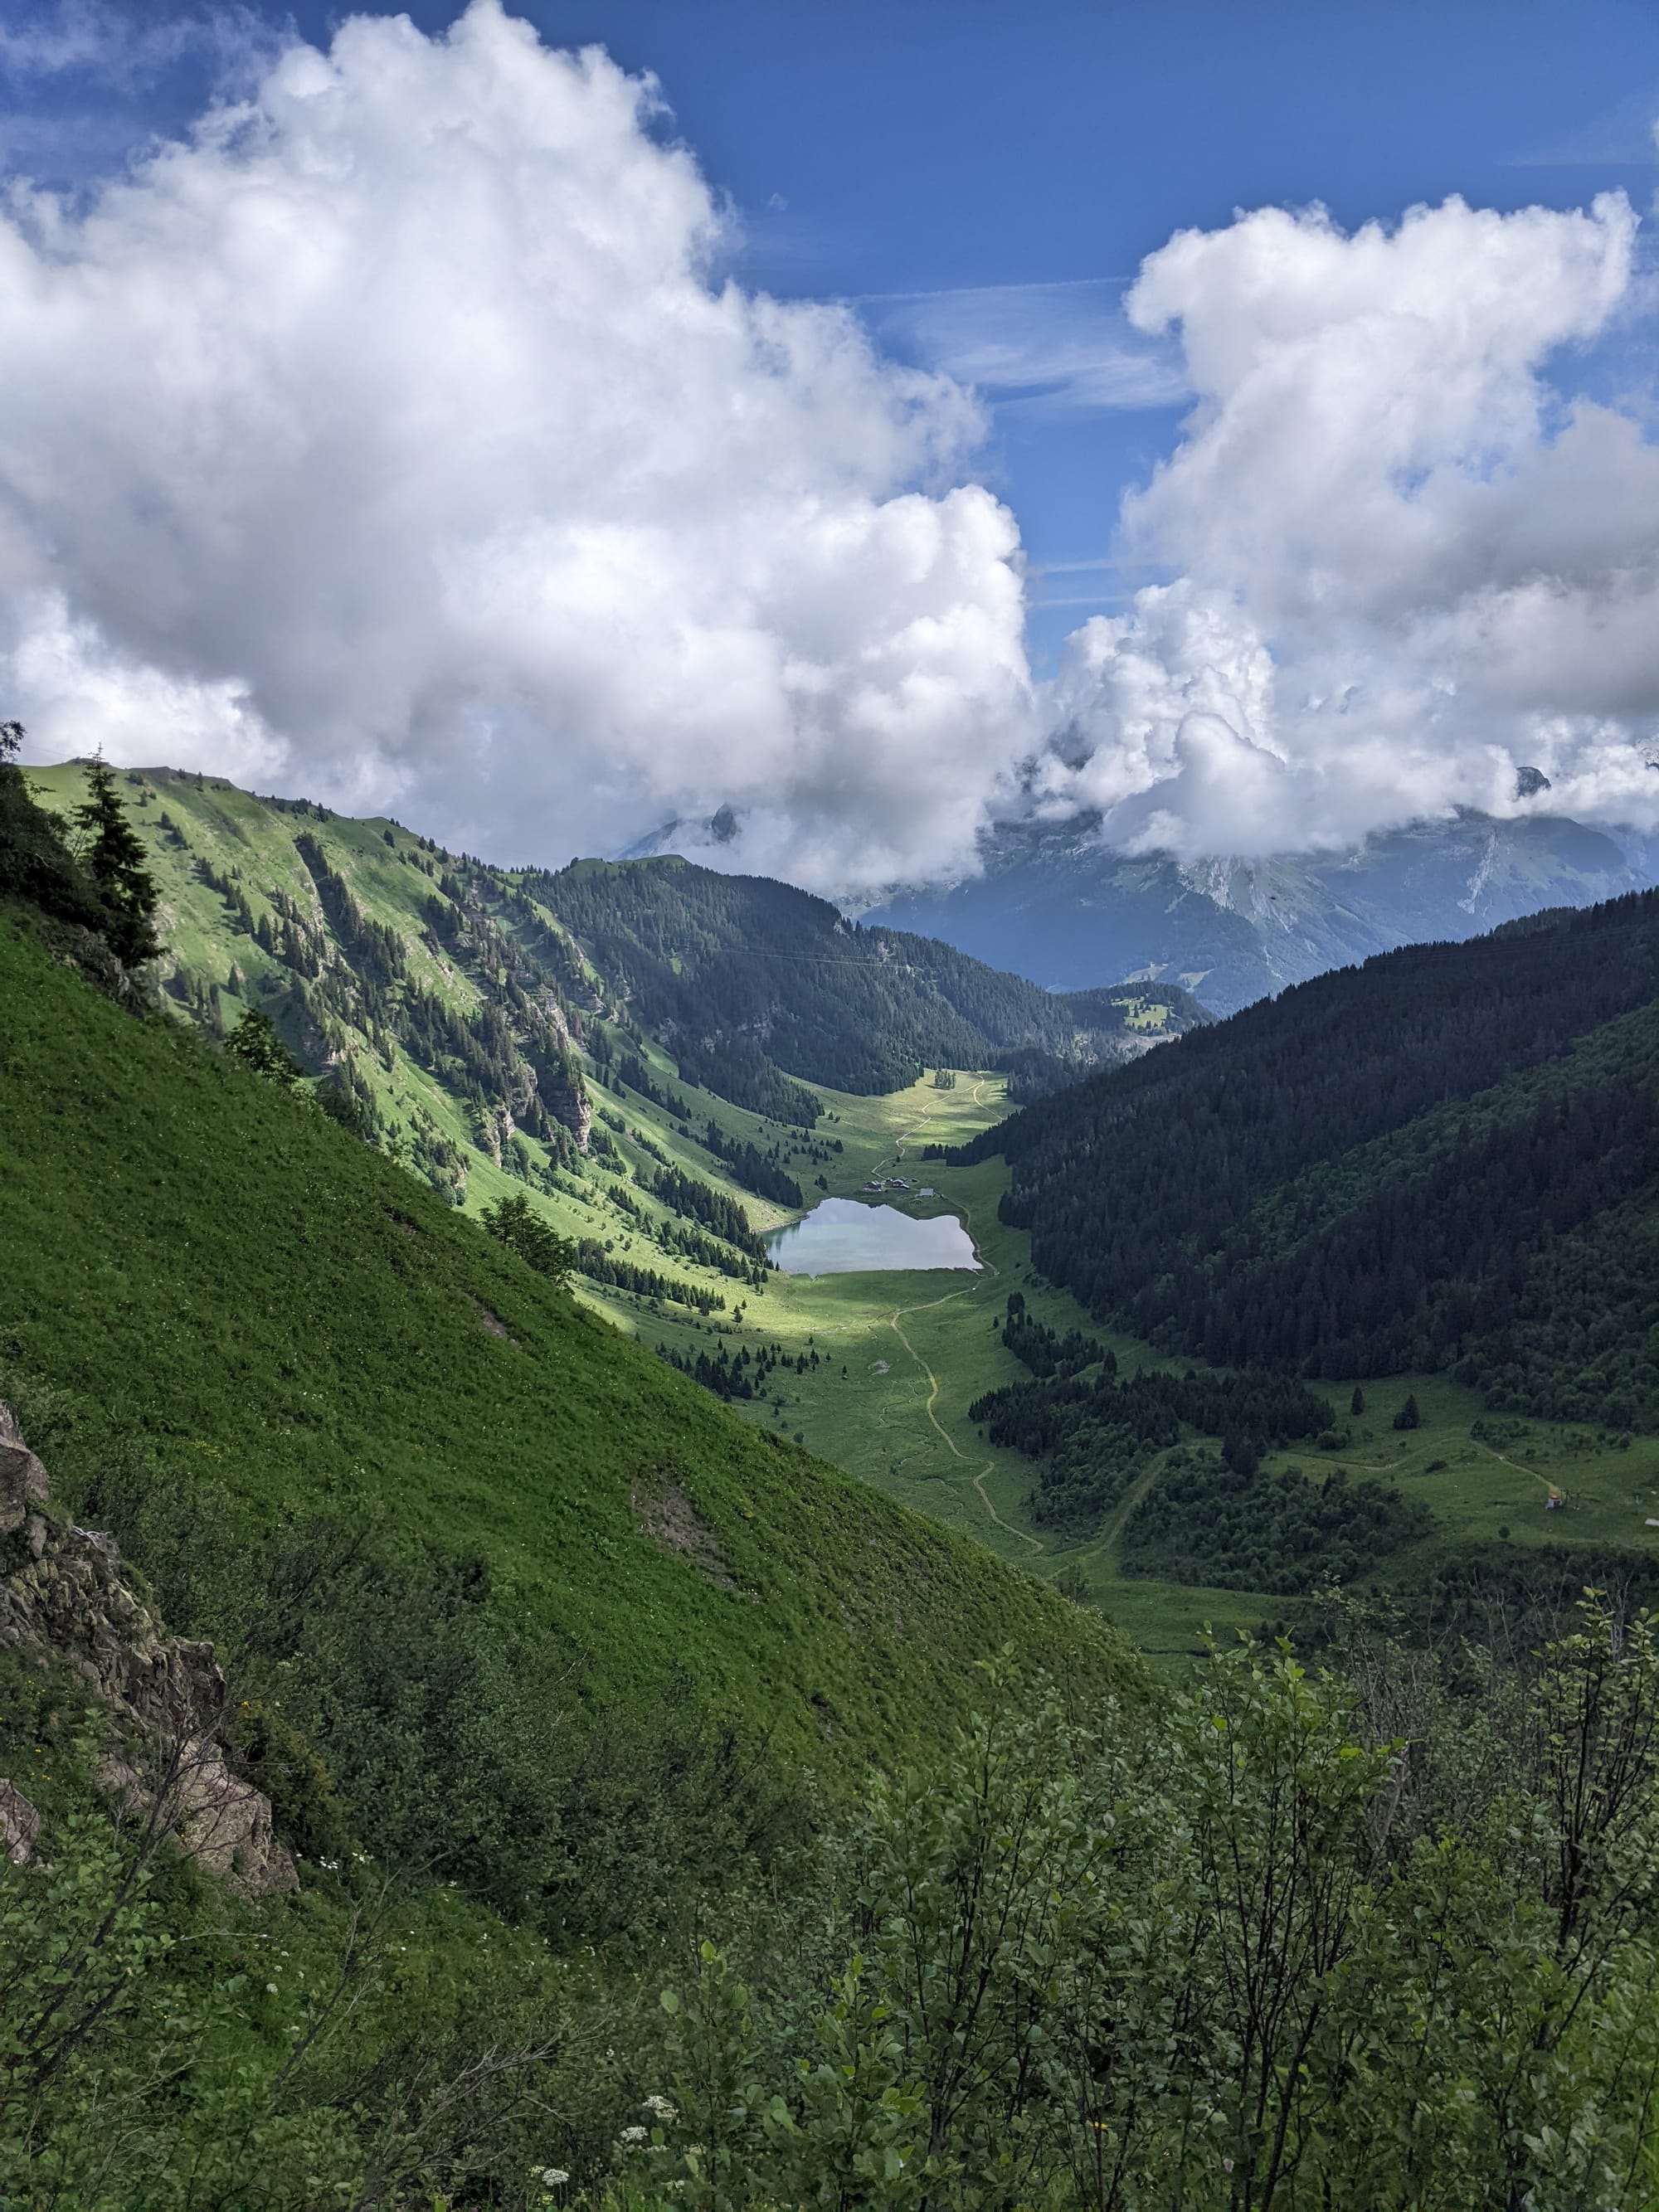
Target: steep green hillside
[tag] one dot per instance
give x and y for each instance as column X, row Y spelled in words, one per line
column 469, row 1019
column 1448, row 1157
column 204, row 1266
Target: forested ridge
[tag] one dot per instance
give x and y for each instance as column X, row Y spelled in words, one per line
column 1388, row 1168
column 736, row 973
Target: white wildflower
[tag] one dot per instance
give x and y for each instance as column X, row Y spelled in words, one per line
column 553, row 2177
column 661, row 2108
column 271, row 1989
column 632, row 2135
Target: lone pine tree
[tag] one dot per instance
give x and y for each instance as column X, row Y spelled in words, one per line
column 114, row 856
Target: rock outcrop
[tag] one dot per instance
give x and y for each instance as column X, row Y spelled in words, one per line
column 67, row 1602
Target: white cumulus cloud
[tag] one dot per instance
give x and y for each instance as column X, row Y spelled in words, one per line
column 391, row 437
column 1399, row 566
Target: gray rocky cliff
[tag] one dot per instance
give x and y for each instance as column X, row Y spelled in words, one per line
column 68, row 1603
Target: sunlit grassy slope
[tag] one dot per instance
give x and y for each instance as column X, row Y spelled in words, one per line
column 196, row 1263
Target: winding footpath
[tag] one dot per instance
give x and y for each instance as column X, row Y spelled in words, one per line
column 902, row 1313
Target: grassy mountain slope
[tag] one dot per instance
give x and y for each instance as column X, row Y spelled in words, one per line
column 918, row 1348
column 202, row 1266
column 1053, row 904
column 474, row 1028
column 1383, row 1170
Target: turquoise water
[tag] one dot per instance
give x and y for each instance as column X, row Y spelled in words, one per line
column 841, row 1237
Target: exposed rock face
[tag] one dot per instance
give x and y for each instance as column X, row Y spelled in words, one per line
column 19, row 1823
column 22, row 1478
column 65, row 1599
column 565, row 1095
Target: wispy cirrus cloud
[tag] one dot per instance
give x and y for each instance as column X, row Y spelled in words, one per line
column 1624, row 134
column 1051, row 349
column 125, row 47
column 80, row 79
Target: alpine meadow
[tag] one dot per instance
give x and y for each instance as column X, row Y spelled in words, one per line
column 828, row 1110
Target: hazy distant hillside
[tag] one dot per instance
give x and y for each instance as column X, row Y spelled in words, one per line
column 1448, row 1157
column 1055, row 904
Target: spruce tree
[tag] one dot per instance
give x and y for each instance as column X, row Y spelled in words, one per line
column 114, row 856
column 1408, row 1417
column 1357, row 1403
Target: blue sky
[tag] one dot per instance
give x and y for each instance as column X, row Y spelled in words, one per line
column 1409, row 542
column 983, row 176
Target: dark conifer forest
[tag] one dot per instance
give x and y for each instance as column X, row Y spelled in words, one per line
column 1446, row 1159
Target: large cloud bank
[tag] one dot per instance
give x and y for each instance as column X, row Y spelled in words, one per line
column 1400, row 568
column 393, row 440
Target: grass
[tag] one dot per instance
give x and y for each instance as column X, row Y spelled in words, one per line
column 202, row 1267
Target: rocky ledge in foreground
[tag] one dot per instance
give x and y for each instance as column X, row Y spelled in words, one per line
column 69, row 1604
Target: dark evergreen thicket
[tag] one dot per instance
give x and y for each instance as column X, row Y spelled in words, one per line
column 96, row 880
column 1044, row 1350
column 750, row 1167
column 697, row 1201
column 600, row 1266
column 1243, row 1528
column 743, row 1374
column 1446, row 1158
column 1094, row 1436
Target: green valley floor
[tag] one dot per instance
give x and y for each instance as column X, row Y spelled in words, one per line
column 901, row 1356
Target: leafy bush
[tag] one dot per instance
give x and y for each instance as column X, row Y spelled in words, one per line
column 515, row 1223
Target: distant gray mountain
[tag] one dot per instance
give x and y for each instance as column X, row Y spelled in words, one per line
column 1055, row 905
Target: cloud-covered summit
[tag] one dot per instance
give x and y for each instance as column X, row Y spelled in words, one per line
column 394, row 436
column 1401, row 567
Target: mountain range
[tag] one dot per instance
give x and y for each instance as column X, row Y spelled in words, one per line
column 1448, row 1157
column 460, row 1006
column 1054, row 902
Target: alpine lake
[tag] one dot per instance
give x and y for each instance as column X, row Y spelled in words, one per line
column 844, row 1236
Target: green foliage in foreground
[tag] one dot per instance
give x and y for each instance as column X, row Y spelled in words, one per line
column 1259, row 1954
column 1344, row 1943
column 255, row 1042
column 514, row 1223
